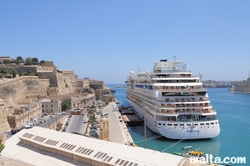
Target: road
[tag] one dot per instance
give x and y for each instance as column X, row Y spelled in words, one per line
column 51, row 121
column 76, row 125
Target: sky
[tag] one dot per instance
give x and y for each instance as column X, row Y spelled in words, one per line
column 105, row 40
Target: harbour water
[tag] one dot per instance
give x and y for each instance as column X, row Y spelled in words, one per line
column 233, row 111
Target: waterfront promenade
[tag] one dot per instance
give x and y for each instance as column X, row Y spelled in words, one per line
column 118, row 131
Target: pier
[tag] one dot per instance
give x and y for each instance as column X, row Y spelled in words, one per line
column 129, row 117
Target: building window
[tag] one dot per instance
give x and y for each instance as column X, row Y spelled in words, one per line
column 42, row 105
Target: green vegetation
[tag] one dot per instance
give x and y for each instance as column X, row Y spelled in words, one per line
column 1, row 146
column 66, row 105
column 42, row 62
column 28, row 61
column 95, row 135
column 59, row 126
column 19, row 60
column 51, row 85
column 7, row 72
column 34, row 61
column 31, row 74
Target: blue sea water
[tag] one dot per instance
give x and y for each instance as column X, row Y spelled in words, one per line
column 233, row 111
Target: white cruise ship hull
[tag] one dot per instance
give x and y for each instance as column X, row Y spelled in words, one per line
column 195, row 131
column 186, row 132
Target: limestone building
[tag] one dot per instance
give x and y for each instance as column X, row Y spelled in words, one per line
column 51, row 106
column 24, row 114
column 3, row 58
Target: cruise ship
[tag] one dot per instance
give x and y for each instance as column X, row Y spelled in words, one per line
column 172, row 101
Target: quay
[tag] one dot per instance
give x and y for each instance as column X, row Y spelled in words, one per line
column 118, row 131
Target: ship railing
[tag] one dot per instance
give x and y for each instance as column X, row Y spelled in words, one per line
column 187, row 100
column 189, row 111
column 178, row 88
column 171, row 76
column 191, row 120
column 183, row 106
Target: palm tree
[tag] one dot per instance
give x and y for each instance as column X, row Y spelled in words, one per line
column 1, row 146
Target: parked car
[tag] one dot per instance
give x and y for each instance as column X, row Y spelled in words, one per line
column 93, row 127
column 92, row 131
column 8, row 134
column 96, row 125
column 85, row 121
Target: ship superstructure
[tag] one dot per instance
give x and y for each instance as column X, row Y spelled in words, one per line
column 174, row 102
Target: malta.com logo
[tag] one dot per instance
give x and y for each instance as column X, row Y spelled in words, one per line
column 209, row 158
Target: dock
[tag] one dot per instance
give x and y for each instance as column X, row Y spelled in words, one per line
column 129, row 117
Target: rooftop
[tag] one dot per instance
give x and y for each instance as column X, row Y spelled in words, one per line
column 78, row 146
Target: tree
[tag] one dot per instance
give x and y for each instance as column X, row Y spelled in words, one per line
column 34, row 61
column 42, row 62
column 28, row 61
column 66, row 105
column 1, row 146
column 92, row 118
column 14, row 73
column 19, row 58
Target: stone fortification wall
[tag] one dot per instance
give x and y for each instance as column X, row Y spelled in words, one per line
column 64, row 84
column 242, row 89
column 27, row 69
column 50, row 76
column 96, row 84
column 4, row 126
column 13, row 91
column 48, row 72
column 70, row 74
column 60, row 97
column 41, row 69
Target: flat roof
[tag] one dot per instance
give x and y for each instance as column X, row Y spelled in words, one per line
column 98, row 150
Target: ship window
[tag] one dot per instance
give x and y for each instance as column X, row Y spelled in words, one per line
column 159, row 123
column 202, row 124
column 188, row 124
column 207, row 123
column 215, row 122
column 175, row 124
column 181, row 124
column 164, row 124
column 169, row 124
column 212, row 123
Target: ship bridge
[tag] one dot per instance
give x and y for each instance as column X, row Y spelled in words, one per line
column 169, row 67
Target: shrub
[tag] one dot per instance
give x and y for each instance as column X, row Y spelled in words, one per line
column 7, row 76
